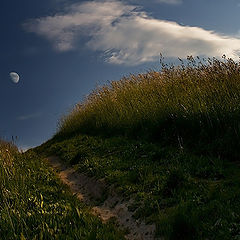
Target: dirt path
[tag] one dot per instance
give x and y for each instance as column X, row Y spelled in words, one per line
column 91, row 191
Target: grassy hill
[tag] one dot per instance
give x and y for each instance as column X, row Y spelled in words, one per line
column 169, row 140
column 195, row 104
column 35, row 205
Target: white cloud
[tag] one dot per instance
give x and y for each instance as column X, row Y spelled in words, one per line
column 29, row 116
column 126, row 34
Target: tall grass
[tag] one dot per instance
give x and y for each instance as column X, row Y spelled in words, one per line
column 35, row 205
column 194, row 102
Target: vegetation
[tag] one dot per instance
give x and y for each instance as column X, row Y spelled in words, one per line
column 35, row 205
column 195, row 104
column 169, row 140
column 188, row 196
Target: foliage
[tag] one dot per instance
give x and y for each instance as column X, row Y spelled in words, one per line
column 195, row 104
column 168, row 139
column 188, row 196
column 35, row 205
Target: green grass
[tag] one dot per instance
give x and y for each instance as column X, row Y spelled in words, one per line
column 168, row 139
column 35, row 205
column 187, row 195
column 196, row 103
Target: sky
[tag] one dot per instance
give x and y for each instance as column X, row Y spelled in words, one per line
column 63, row 49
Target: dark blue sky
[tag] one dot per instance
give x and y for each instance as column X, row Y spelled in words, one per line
column 62, row 51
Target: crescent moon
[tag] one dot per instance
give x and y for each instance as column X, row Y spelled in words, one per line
column 14, row 77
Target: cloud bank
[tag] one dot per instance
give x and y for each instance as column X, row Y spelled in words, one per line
column 126, row 34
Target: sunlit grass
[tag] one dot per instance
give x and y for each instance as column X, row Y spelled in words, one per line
column 166, row 139
column 35, row 205
column 197, row 100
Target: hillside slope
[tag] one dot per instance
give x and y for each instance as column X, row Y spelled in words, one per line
column 169, row 140
column 34, row 204
column 187, row 196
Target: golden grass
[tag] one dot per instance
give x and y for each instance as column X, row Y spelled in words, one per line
column 202, row 93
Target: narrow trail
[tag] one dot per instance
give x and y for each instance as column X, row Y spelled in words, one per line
column 91, row 191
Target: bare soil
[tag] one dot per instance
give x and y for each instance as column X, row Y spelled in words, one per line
column 93, row 191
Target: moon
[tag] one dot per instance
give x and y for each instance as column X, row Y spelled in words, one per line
column 14, row 77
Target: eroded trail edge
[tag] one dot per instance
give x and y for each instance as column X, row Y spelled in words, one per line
column 91, row 191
